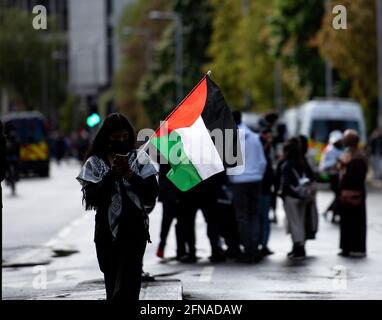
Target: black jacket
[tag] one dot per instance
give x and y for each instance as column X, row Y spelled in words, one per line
column 290, row 172
column 268, row 178
column 98, row 195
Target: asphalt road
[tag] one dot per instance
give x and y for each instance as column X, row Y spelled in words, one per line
column 48, row 247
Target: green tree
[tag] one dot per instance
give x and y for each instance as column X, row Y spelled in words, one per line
column 27, row 61
column 242, row 54
column 353, row 52
column 225, row 50
column 134, row 66
column 158, row 88
column 295, row 25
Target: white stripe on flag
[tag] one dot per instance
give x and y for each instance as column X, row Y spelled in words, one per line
column 200, row 149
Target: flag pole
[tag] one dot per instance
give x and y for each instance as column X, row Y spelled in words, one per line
column 144, row 146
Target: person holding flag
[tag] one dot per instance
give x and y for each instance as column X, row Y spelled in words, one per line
column 199, row 139
column 119, row 182
column 123, row 191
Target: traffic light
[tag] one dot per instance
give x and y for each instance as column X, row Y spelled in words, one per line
column 93, row 120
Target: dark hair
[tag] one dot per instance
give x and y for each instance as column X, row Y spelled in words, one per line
column 292, row 150
column 271, row 118
column 113, row 123
column 303, row 140
column 351, row 138
column 237, row 117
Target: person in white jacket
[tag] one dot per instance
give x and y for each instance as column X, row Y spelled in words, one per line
column 328, row 165
column 247, row 191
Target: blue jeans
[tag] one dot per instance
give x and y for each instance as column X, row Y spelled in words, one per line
column 265, row 206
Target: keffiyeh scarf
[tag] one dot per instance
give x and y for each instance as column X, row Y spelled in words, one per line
column 95, row 169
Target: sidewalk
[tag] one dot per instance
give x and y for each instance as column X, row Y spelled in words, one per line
column 66, row 268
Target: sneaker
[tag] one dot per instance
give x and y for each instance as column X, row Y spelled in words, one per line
column 358, row 254
column 344, row 253
column 298, row 253
column 217, row 257
column 257, row 257
column 266, row 252
column 245, row 258
column 160, row 252
column 147, row 277
column 188, row 259
column 232, row 253
column 297, row 256
column 291, row 253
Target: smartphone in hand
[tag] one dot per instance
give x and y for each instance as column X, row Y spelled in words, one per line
column 121, row 159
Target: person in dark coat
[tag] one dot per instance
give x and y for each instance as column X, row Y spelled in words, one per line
column 170, row 196
column 266, row 192
column 311, row 217
column 2, row 163
column 228, row 228
column 292, row 172
column 352, row 203
column 119, row 182
column 204, row 197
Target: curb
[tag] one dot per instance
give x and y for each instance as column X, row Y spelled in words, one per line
column 170, row 289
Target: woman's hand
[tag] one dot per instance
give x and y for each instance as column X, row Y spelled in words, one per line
column 121, row 166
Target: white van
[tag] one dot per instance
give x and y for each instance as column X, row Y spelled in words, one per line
column 317, row 118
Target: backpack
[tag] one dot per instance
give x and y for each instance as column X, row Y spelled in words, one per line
column 306, row 188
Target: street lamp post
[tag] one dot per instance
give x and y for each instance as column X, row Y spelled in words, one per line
column 379, row 45
column 328, row 64
column 178, row 49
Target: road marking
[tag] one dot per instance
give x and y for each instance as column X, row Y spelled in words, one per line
column 206, row 274
column 64, row 232
column 51, row 242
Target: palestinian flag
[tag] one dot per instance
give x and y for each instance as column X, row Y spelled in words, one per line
column 187, row 138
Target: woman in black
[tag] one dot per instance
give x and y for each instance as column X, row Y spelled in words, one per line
column 119, row 182
column 352, row 204
column 292, row 170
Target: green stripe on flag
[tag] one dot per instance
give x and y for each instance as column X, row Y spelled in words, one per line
column 183, row 173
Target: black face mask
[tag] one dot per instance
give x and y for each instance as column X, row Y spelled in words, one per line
column 119, row 147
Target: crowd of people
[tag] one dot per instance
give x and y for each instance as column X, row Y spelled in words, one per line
column 237, row 208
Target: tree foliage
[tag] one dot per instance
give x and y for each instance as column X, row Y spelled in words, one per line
column 242, row 54
column 135, row 45
column 295, row 24
column 26, row 61
column 353, row 52
column 158, row 88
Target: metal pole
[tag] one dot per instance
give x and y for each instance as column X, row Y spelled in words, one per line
column 379, row 45
column 244, row 7
column 179, row 57
column 328, row 65
column 247, row 96
column 44, row 89
column 95, row 63
column 178, row 47
column 277, row 87
column 328, row 79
